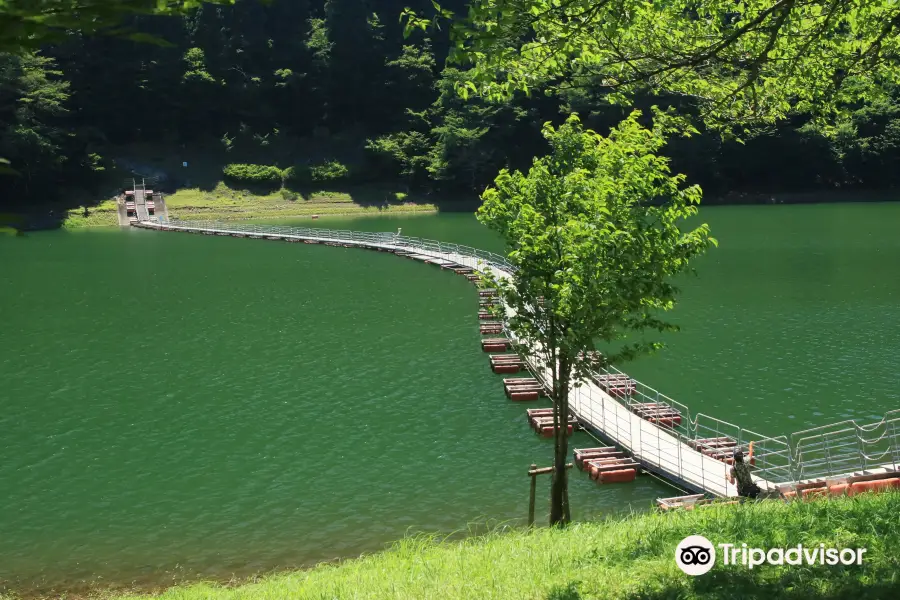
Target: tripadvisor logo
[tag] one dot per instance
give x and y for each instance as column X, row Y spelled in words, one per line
column 696, row 555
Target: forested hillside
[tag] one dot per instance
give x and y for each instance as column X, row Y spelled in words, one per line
column 335, row 85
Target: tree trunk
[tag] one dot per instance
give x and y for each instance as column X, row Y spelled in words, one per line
column 555, row 505
column 559, row 509
column 565, row 368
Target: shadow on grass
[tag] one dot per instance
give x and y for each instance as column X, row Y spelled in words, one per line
column 257, row 189
column 564, row 592
column 385, row 195
column 38, row 218
column 829, row 583
column 205, row 162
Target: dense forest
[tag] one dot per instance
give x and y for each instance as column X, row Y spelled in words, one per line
column 306, row 82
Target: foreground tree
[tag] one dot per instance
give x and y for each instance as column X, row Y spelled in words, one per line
column 593, row 231
column 582, row 226
column 739, row 63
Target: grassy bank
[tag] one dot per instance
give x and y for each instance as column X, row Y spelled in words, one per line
column 630, row 558
column 226, row 204
column 101, row 215
column 223, row 203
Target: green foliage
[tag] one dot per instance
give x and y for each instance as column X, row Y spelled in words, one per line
column 416, row 64
column 593, row 233
column 196, row 71
column 746, row 63
column 286, row 77
column 27, row 24
column 594, row 228
column 328, row 171
column 318, row 43
column 95, row 162
column 411, row 76
column 33, row 99
column 293, row 175
column 458, row 127
column 457, row 151
column 289, row 195
column 331, row 171
column 259, row 174
column 340, row 73
column 404, row 152
column 455, row 142
column 5, row 169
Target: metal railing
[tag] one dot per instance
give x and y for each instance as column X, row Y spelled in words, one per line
column 665, row 448
column 706, row 434
column 846, row 447
column 837, row 449
column 466, row 255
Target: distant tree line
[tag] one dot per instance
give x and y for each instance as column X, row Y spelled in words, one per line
column 259, row 77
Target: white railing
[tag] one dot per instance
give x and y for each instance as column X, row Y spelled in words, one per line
column 771, row 455
column 846, row 447
column 476, row 257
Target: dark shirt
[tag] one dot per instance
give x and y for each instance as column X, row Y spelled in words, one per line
column 741, row 472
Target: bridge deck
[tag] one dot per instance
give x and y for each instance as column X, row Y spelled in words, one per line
column 140, row 207
column 658, row 449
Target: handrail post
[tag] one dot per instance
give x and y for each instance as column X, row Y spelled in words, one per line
column 894, row 448
column 861, row 448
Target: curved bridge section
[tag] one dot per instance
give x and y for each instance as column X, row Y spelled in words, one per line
column 690, row 451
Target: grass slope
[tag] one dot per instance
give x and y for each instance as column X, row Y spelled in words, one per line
column 627, row 559
column 101, row 215
column 223, row 203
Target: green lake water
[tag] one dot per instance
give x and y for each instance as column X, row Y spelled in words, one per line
column 179, row 406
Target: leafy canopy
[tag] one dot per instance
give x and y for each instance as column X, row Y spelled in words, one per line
column 32, row 99
column 247, row 173
column 593, row 230
column 751, row 62
column 324, row 172
column 27, row 24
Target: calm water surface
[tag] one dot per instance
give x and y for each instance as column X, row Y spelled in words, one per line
column 180, row 406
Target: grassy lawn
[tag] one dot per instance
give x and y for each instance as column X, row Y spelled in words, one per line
column 102, row 215
column 225, row 203
column 630, row 558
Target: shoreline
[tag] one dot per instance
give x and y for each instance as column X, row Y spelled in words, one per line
column 107, row 219
column 606, row 558
column 815, row 197
column 222, row 203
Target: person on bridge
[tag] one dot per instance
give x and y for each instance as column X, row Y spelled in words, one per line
column 740, row 472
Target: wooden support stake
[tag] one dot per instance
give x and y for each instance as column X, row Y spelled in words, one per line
column 531, row 498
column 533, row 472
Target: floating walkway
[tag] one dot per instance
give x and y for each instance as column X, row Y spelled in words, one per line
column 645, row 430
